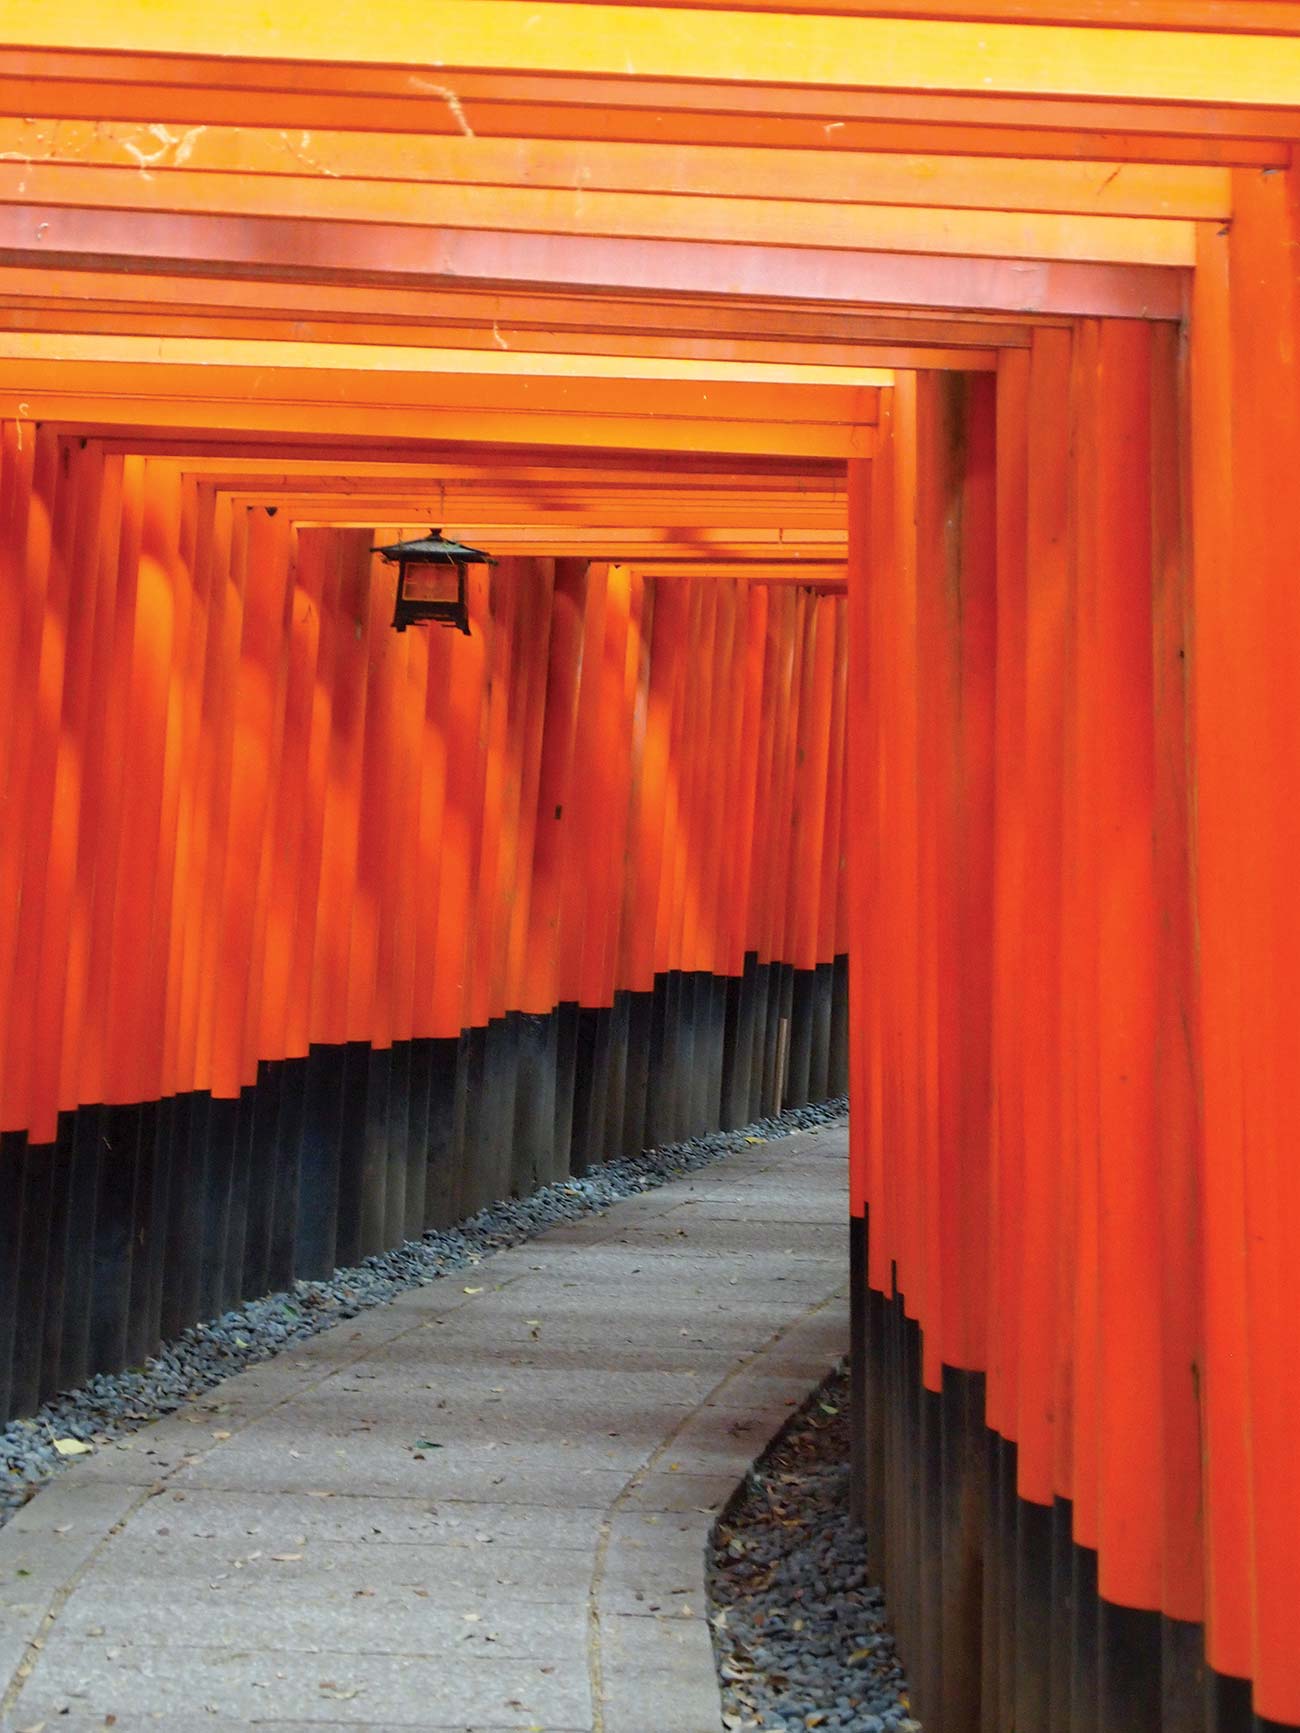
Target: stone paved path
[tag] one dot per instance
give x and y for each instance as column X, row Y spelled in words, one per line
column 481, row 1507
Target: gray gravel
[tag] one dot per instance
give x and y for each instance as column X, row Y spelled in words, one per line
column 109, row 1406
column 801, row 1633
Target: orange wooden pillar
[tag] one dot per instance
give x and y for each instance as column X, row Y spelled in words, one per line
column 38, row 608
column 1026, row 1142
column 1246, row 422
column 813, row 835
column 36, row 613
column 830, row 1049
column 1118, row 1438
column 1224, row 647
column 954, row 664
column 738, row 1086
column 663, row 744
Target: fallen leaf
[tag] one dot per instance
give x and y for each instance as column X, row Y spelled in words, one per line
column 72, row 1447
column 285, row 1558
column 471, row 1290
column 221, row 1435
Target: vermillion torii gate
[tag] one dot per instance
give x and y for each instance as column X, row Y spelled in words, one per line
column 640, row 285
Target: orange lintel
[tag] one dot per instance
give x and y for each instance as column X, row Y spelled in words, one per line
column 778, row 358
column 154, row 91
column 267, row 371
column 652, row 520
column 90, row 412
column 653, row 41
column 458, row 461
column 1089, row 187
column 547, row 316
column 301, row 250
column 623, row 215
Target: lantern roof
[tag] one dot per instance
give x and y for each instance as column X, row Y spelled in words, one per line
column 435, row 549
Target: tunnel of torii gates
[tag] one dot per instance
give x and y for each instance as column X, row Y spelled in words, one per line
column 887, row 422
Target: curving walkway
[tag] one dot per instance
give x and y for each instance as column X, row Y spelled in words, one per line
column 481, row 1507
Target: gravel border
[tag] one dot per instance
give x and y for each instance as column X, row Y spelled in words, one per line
column 801, row 1634
column 112, row 1405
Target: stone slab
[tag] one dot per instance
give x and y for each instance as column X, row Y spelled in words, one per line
column 658, row 1673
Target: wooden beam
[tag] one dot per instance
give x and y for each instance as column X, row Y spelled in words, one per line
column 827, row 576
column 1002, row 234
column 652, row 521
column 154, row 90
column 88, row 411
column 753, row 47
column 361, row 253
column 613, row 543
column 821, row 176
column 1255, row 17
column 307, row 373
column 538, row 311
column 700, row 357
column 361, row 358
column 334, row 461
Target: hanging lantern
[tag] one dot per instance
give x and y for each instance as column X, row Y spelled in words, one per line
column 431, row 576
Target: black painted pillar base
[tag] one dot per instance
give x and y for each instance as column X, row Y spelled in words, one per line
column 860, row 1465
column 997, row 1608
column 140, row 1220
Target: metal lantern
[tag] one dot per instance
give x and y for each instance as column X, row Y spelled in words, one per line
column 431, row 581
